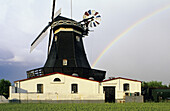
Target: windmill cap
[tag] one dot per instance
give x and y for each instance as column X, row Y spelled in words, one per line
column 62, row 18
column 66, row 23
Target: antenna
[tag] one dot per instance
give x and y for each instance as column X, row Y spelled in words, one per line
column 71, row 9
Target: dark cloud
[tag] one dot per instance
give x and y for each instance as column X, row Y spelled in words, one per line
column 15, row 70
column 12, row 72
column 5, row 54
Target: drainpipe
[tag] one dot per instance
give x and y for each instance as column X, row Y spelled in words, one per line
column 99, row 87
column 19, row 92
column 119, row 84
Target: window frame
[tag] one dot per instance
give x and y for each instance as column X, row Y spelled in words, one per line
column 40, row 88
column 78, row 38
column 74, row 88
column 126, row 87
column 57, row 80
column 65, row 62
column 16, row 87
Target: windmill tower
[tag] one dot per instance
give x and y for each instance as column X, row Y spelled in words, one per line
column 66, row 52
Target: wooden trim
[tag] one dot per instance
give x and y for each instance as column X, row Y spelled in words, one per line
column 67, row 29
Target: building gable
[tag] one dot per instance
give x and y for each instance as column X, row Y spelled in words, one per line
column 121, row 78
column 38, row 77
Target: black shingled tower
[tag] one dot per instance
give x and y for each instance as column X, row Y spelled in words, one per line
column 67, row 45
column 67, row 54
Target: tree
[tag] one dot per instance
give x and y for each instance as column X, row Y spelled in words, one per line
column 4, row 87
column 154, row 84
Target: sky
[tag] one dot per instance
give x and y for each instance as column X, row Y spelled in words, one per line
column 133, row 35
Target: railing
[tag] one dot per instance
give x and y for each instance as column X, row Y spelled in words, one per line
column 35, row 72
column 98, row 75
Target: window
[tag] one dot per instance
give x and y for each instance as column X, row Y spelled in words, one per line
column 91, row 78
column 55, row 38
column 137, row 93
column 39, row 88
column 74, row 88
column 64, row 62
column 16, row 87
column 127, row 94
column 74, row 74
column 78, row 38
column 57, row 80
column 126, row 87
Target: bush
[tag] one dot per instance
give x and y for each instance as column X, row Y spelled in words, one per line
column 4, row 88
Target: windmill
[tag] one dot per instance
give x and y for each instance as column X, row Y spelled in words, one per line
column 44, row 31
column 66, row 52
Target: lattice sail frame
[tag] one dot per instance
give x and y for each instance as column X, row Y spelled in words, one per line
column 96, row 18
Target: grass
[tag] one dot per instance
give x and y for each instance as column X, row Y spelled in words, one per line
column 85, row 107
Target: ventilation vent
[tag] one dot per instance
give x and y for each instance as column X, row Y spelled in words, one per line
column 75, row 74
column 57, row 80
column 91, row 78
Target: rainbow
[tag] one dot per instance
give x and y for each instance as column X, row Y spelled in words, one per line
column 127, row 30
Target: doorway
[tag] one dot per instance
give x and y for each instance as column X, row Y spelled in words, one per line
column 109, row 94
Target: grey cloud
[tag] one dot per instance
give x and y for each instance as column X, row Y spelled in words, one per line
column 5, row 54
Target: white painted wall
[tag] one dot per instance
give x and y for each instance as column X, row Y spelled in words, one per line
column 134, row 86
column 87, row 89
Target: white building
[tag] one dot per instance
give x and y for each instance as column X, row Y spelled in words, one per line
column 58, row 87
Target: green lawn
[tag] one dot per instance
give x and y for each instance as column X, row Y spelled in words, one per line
column 85, row 107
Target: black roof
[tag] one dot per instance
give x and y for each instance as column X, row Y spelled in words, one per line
column 63, row 18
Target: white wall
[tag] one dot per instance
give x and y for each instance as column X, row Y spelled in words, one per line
column 134, row 86
column 87, row 89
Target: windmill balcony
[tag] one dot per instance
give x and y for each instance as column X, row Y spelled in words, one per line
column 98, row 75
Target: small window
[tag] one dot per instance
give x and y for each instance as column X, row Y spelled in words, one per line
column 137, row 93
column 74, row 88
column 127, row 94
column 57, row 80
column 61, row 22
column 55, row 38
column 74, row 74
column 16, row 87
column 126, row 87
column 68, row 22
column 91, row 78
column 39, row 88
column 64, row 62
column 78, row 38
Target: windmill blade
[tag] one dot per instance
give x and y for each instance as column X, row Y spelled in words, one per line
column 52, row 20
column 94, row 24
column 52, row 17
column 89, row 12
column 93, row 12
column 98, row 19
column 50, row 35
column 40, row 37
column 97, row 22
column 50, row 39
column 90, row 24
column 57, row 13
